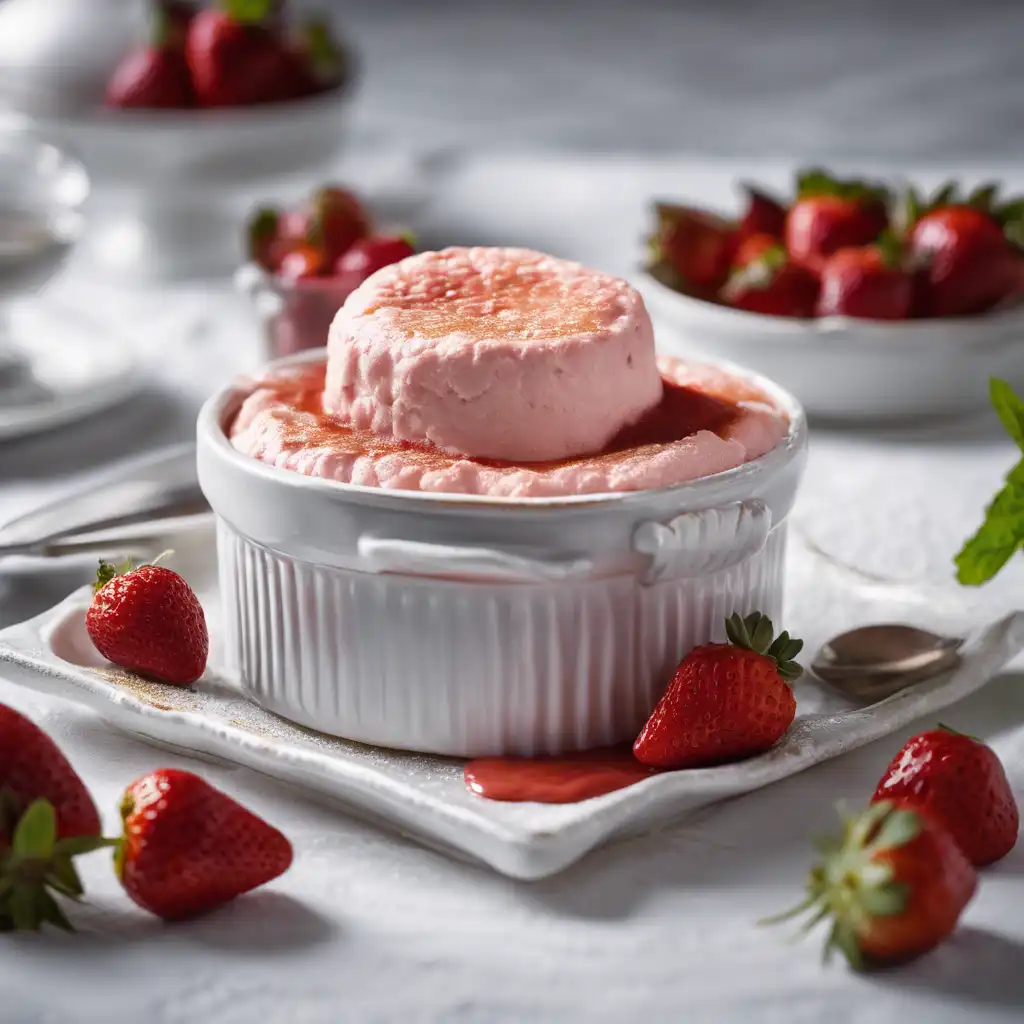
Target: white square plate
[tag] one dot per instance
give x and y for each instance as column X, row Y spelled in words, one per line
column 424, row 796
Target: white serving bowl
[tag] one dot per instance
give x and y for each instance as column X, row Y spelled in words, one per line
column 842, row 368
column 465, row 625
column 170, row 186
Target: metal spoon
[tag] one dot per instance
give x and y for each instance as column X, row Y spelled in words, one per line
column 874, row 662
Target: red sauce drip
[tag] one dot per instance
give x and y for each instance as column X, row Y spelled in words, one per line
column 566, row 779
column 682, row 412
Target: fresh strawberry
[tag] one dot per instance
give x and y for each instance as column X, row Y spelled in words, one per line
column 694, row 247
column 755, row 248
column 189, row 848
column 149, row 620
column 965, row 264
column 47, row 818
column 156, row 75
column 830, row 214
column 332, row 220
column 764, row 215
column 33, row 768
column 767, row 281
column 960, row 784
column 869, row 282
column 893, row 885
column 725, row 701
column 301, row 262
column 368, row 255
column 237, row 57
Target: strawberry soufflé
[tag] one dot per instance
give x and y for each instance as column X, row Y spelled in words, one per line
column 502, row 372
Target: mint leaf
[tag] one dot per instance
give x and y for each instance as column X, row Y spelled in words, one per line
column 999, row 536
column 1009, row 408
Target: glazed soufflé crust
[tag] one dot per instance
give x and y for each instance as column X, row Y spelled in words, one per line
column 493, row 353
column 442, row 365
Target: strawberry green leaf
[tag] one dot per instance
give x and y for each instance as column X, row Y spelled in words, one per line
column 814, row 181
column 762, row 634
column 1014, row 232
column 945, row 195
column 984, row 196
column 21, row 908
column 885, row 900
column 898, row 828
column 107, row 572
column 249, row 12
column 63, row 876
column 890, row 248
column 905, row 212
column 50, row 912
column 36, row 833
column 1012, row 209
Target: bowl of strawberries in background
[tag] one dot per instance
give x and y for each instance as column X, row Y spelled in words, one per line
column 207, row 100
column 305, row 260
column 869, row 302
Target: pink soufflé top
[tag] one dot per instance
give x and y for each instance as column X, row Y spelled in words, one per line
column 497, row 353
column 505, row 373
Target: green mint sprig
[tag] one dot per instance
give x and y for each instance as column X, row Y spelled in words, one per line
column 1001, row 534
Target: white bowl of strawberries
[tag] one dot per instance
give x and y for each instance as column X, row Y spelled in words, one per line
column 866, row 304
column 304, row 262
column 209, row 98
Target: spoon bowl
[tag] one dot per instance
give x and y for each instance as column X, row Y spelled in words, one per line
column 874, row 662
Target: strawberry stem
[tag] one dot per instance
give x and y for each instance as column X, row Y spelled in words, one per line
column 35, row 863
column 249, row 12
column 107, row 572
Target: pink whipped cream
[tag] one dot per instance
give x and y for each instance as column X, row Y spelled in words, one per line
column 491, row 353
column 706, row 422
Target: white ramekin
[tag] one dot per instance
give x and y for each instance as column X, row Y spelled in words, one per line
column 465, row 625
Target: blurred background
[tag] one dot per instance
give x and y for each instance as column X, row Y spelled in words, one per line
column 797, row 79
column 550, row 125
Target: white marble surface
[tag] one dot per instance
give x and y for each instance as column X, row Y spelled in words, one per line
column 369, row 927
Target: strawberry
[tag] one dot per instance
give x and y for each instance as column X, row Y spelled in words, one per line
column 332, row 220
column 868, row 282
column 764, row 215
column 156, row 75
column 894, row 886
column 47, row 818
column 769, row 282
column 830, row 214
column 149, row 620
column 237, row 57
column 32, row 768
column 301, row 262
column 725, row 701
column 959, row 783
column 368, row 255
column 965, row 263
column 189, row 848
column 694, row 247
column 756, row 247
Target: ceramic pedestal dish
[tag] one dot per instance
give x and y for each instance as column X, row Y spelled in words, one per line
column 467, row 625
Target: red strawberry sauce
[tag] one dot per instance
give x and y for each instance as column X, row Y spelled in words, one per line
column 565, row 779
column 682, row 412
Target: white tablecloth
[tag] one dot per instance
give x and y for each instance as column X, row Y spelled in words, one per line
column 370, row 927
